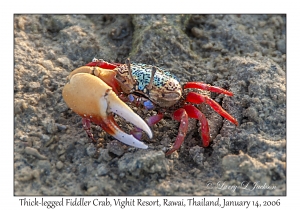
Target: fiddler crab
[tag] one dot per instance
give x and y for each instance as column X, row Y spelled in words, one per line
column 99, row 89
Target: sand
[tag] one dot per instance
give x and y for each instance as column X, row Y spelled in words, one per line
column 245, row 54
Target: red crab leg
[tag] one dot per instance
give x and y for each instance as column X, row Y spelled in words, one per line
column 203, row 86
column 181, row 116
column 195, row 113
column 137, row 132
column 87, row 127
column 197, row 98
column 154, row 119
column 103, row 64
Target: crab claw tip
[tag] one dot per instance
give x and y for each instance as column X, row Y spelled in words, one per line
column 129, row 140
column 118, row 107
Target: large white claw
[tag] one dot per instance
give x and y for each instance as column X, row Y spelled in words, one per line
column 115, row 105
column 91, row 98
column 129, row 139
column 118, row 107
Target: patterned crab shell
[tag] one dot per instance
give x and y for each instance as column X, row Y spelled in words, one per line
column 165, row 90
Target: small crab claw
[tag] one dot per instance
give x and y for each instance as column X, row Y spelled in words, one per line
column 91, row 98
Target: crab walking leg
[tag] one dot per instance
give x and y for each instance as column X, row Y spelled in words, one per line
column 103, row 64
column 203, row 86
column 181, row 116
column 92, row 98
column 197, row 98
column 87, row 127
column 193, row 112
column 152, row 120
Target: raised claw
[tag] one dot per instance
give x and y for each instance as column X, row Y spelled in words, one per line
column 92, row 98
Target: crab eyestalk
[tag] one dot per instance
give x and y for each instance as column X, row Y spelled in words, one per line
column 91, row 98
column 153, row 70
column 129, row 70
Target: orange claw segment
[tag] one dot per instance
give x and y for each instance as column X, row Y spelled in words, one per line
column 92, row 98
column 108, row 76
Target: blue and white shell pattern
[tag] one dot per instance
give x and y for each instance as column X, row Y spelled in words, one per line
column 142, row 74
column 165, row 90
